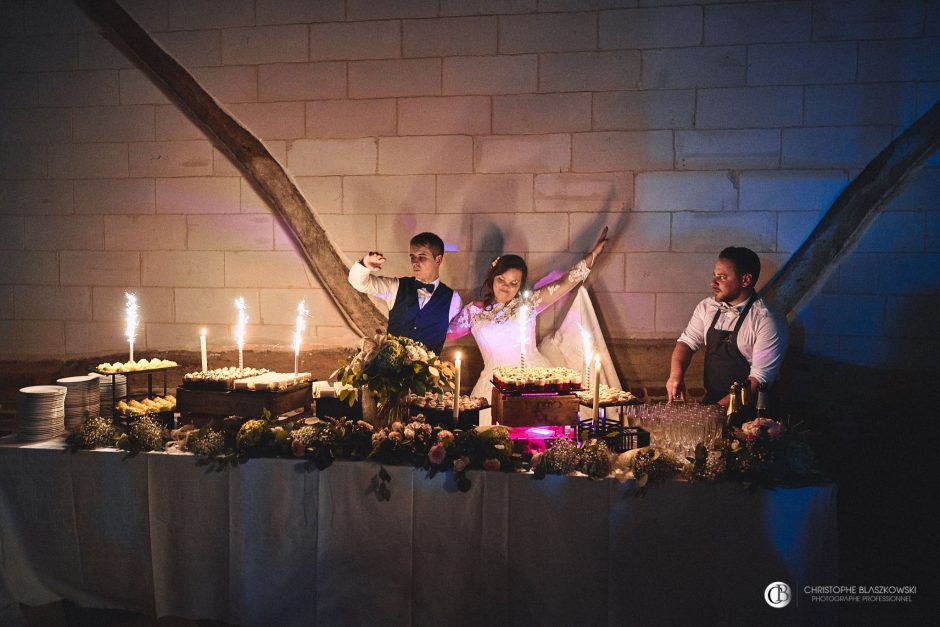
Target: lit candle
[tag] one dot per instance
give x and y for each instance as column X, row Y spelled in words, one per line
column 202, row 350
column 299, row 325
column 457, row 389
column 131, row 311
column 240, row 329
column 597, row 388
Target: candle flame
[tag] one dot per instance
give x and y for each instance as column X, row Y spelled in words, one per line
column 242, row 322
column 131, row 316
column 458, row 356
column 202, row 332
column 300, row 324
column 597, row 360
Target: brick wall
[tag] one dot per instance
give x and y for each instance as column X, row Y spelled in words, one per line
column 513, row 126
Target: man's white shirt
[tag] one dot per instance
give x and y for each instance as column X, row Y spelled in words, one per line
column 762, row 338
column 386, row 288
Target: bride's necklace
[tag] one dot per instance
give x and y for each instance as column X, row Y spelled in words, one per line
column 499, row 313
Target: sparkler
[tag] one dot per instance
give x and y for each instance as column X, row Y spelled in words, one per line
column 299, row 325
column 131, row 317
column 240, row 329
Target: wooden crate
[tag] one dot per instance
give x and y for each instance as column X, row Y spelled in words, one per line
column 533, row 410
column 242, row 402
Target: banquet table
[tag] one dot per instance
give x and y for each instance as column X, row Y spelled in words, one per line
column 270, row 543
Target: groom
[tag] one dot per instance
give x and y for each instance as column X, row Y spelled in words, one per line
column 419, row 306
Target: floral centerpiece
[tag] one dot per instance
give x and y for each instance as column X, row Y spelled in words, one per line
column 388, row 368
column 762, row 453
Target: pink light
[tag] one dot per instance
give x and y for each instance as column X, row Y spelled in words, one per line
column 540, row 432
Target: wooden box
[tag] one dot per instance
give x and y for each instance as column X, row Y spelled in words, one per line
column 242, row 402
column 534, row 409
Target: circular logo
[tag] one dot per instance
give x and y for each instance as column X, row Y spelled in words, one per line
column 777, row 594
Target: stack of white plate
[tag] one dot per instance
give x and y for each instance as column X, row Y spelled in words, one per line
column 109, row 396
column 40, row 412
column 83, row 396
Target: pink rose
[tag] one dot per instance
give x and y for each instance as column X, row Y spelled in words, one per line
column 437, row 454
column 461, row 463
column 397, row 426
column 491, row 464
column 395, row 436
column 298, row 448
column 379, row 437
column 445, row 437
column 409, row 433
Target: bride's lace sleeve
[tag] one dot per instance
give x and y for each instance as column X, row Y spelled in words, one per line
column 545, row 296
column 460, row 325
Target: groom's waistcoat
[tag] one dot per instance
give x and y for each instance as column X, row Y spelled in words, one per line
column 428, row 325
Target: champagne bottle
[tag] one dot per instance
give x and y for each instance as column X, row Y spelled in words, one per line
column 762, row 401
column 734, row 407
column 748, row 411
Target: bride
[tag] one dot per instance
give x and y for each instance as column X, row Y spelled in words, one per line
column 503, row 322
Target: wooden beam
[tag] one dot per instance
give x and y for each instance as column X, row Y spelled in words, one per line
column 251, row 156
column 853, row 211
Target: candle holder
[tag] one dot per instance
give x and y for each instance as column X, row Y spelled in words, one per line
column 617, row 436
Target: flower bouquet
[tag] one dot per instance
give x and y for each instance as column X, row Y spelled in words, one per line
column 387, row 369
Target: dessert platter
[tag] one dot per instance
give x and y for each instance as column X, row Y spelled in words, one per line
column 608, row 397
column 438, row 409
column 220, row 378
column 519, row 380
column 272, row 381
column 119, row 372
column 246, row 392
column 524, row 397
column 145, row 406
column 140, row 365
column 445, row 402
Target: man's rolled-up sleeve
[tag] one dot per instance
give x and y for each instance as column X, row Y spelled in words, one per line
column 694, row 334
column 769, row 349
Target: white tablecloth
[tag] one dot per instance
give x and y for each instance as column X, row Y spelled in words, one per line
column 269, row 544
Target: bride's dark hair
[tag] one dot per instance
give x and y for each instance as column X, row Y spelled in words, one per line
column 498, row 267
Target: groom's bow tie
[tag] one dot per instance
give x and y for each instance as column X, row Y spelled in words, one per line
column 428, row 287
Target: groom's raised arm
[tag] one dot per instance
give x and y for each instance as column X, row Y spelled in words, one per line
column 362, row 279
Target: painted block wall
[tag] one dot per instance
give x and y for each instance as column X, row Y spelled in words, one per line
column 517, row 126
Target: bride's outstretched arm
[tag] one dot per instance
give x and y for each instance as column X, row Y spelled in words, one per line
column 460, row 325
column 548, row 294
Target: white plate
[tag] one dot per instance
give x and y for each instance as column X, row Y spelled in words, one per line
column 44, row 389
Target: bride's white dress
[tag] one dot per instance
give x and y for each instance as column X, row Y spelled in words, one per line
column 506, row 332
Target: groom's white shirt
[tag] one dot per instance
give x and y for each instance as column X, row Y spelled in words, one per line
column 386, row 288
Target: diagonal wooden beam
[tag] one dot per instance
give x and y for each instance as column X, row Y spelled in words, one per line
column 251, row 156
column 853, row 211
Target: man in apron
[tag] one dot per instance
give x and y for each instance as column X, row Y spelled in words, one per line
column 745, row 340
